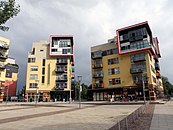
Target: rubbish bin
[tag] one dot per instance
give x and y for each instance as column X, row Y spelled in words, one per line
column 63, row 99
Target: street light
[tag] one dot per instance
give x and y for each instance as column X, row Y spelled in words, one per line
column 36, row 95
column 7, row 91
column 80, row 89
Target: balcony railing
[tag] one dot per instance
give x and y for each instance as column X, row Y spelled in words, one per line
column 157, row 67
column 61, row 62
column 138, row 59
column 137, row 47
column 4, row 56
column 60, row 87
column 96, row 55
column 60, row 70
column 2, row 65
column 98, row 75
column 4, row 46
column 135, row 70
column 158, row 75
column 61, row 79
column 98, row 85
column 95, row 66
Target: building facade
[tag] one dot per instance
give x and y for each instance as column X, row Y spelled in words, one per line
column 127, row 66
column 50, row 69
column 8, row 71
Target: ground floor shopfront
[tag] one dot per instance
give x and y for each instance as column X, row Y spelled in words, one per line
column 47, row 96
column 123, row 93
column 31, row 96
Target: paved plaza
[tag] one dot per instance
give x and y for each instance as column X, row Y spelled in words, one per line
column 62, row 116
column 163, row 117
column 65, row 116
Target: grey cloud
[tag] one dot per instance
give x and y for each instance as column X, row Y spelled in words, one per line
column 91, row 22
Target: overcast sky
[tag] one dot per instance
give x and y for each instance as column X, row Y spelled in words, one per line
column 91, row 22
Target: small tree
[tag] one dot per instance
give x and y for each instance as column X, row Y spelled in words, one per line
column 8, row 9
column 168, row 87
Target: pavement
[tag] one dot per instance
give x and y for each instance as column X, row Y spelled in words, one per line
column 163, row 116
column 61, row 116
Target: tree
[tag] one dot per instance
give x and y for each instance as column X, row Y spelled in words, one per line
column 168, row 87
column 8, row 9
column 84, row 91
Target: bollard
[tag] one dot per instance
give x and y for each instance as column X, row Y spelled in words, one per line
column 126, row 124
column 119, row 127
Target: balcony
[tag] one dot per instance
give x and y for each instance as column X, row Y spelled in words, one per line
column 157, row 66
column 98, row 85
column 4, row 46
column 60, row 70
column 158, row 75
column 96, row 55
column 2, row 65
column 138, row 59
column 135, row 70
column 60, row 87
column 98, row 75
column 3, row 56
column 61, row 79
column 96, row 66
column 61, row 62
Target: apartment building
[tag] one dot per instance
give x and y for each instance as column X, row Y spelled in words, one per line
column 11, row 78
column 50, row 69
column 127, row 65
column 8, row 71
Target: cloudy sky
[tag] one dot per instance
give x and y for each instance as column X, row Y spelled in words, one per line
column 91, row 22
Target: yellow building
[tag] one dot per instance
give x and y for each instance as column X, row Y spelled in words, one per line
column 50, row 69
column 127, row 66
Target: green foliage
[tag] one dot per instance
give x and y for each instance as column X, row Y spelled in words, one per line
column 168, row 87
column 8, row 9
column 84, row 91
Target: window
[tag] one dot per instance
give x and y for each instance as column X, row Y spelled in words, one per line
column 31, row 60
column 33, row 51
column 64, row 43
column 114, row 81
column 114, row 71
column 54, row 50
column 42, row 80
column 115, row 51
column 154, row 79
column 34, row 68
column 96, row 54
column 43, row 71
column 66, row 51
column 61, row 85
column 43, row 64
column 152, row 69
column 41, row 50
column 33, row 76
column 138, row 57
column 113, row 61
column 33, row 85
column 140, row 66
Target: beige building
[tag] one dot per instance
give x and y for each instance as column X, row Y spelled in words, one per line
column 120, row 65
column 49, row 70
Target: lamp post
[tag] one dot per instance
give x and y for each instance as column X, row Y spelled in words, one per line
column 80, row 89
column 7, row 91
column 70, row 95
column 36, row 95
column 143, row 86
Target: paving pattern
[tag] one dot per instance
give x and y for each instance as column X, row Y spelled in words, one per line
column 63, row 118
column 163, row 117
